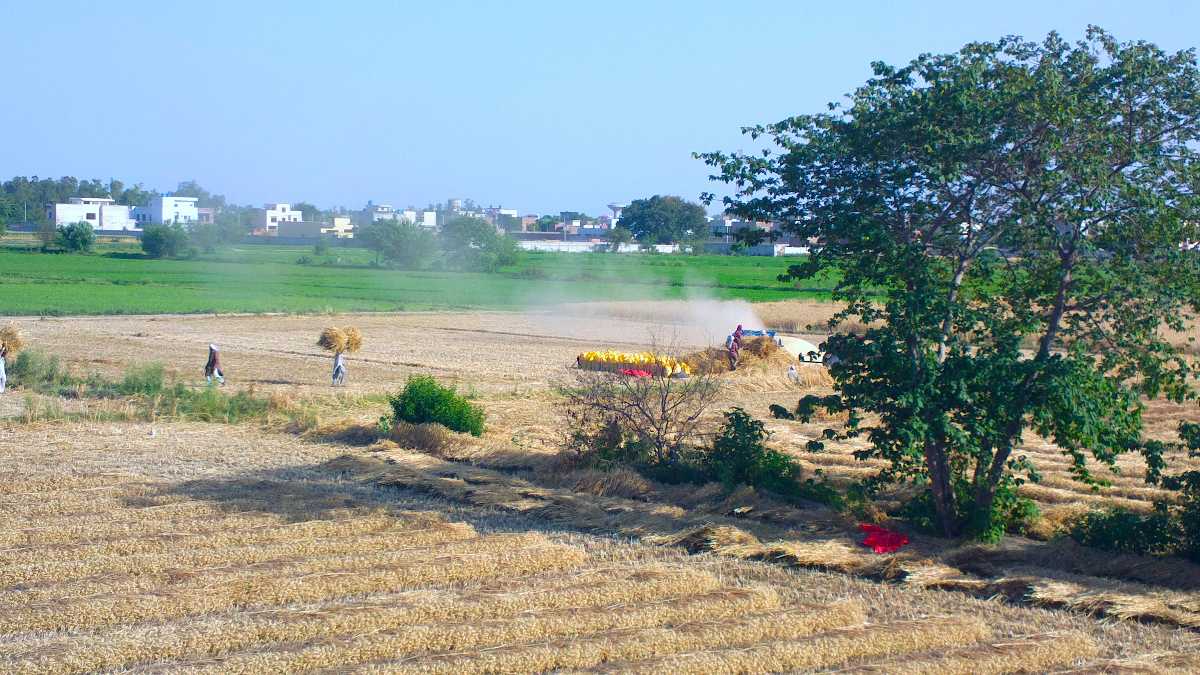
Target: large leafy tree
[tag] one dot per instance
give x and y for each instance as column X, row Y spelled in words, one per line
column 663, row 220
column 474, row 245
column 400, row 242
column 1008, row 219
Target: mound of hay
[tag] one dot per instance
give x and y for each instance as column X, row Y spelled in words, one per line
column 758, row 353
column 347, row 339
column 10, row 338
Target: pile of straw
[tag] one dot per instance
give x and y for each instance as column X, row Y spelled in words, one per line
column 348, row 339
column 10, row 339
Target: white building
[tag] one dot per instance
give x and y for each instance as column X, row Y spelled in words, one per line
column 340, row 227
column 374, row 212
column 164, row 210
column 101, row 213
column 268, row 218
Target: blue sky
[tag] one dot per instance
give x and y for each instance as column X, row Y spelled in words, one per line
column 539, row 106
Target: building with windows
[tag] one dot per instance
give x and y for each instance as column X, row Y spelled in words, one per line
column 102, row 213
column 339, row 227
column 373, row 212
column 206, row 216
column 268, row 218
column 167, row 210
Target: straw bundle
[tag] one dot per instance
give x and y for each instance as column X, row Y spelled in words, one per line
column 348, row 339
column 353, row 339
column 332, row 339
column 10, row 339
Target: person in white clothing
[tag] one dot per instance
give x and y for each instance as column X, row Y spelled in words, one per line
column 3, row 372
column 339, row 369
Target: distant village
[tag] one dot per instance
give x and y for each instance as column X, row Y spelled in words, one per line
column 283, row 223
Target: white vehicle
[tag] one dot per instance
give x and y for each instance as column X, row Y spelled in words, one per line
column 802, row 350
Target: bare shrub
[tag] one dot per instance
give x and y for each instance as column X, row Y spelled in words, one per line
column 629, row 419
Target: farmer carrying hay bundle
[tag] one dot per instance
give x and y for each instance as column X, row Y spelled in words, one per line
column 340, row 341
column 212, row 367
column 10, row 344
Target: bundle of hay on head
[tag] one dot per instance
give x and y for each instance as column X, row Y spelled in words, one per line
column 333, row 340
column 338, row 340
column 10, row 340
column 353, row 339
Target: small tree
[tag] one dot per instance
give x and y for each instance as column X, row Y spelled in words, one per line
column 76, row 237
column 164, row 241
column 971, row 204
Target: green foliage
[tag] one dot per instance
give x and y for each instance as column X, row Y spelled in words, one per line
column 618, row 236
column 164, row 241
column 474, row 245
column 76, row 237
column 1125, row 531
column 663, row 220
column 37, row 371
column 265, row 278
column 321, row 247
column 976, row 202
column 423, row 400
column 738, row 456
column 400, row 243
column 147, row 380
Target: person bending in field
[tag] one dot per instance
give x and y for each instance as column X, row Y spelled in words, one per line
column 212, row 369
column 339, row 369
column 3, row 372
column 735, row 349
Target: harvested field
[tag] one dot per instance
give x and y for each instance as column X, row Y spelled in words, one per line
column 256, row 548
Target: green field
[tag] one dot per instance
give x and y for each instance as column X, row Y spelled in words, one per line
column 253, row 278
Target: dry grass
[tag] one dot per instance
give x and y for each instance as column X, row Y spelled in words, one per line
column 593, row 650
column 236, row 548
column 408, row 640
column 819, row 651
column 207, row 638
column 1031, row 653
column 348, row 339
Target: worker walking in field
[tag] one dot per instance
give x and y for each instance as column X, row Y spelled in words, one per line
column 735, row 350
column 339, row 369
column 212, row 369
column 3, row 371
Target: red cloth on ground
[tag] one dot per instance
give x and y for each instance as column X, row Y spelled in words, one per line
column 634, row 372
column 881, row 540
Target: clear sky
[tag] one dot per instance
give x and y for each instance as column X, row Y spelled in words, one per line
column 539, row 106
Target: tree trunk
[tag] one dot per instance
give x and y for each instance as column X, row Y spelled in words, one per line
column 940, row 488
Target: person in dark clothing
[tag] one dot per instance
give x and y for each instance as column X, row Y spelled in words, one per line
column 212, row 369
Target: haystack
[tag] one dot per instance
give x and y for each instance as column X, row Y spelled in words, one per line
column 348, row 339
column 759, row 356
column 10, row 338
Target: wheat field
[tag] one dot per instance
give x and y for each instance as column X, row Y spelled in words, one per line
column 155, row 546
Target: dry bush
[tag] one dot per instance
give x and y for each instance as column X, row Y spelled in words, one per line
column 657, row 415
